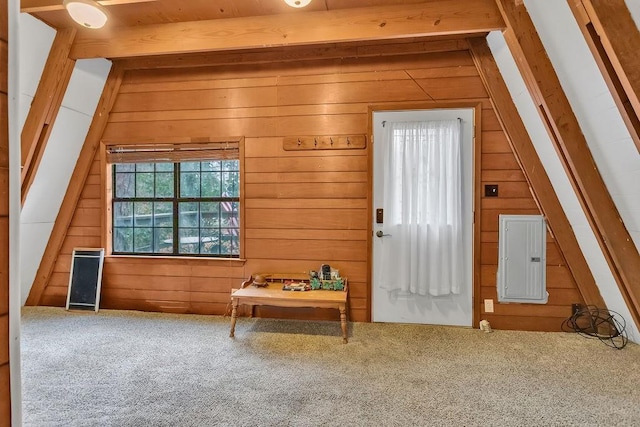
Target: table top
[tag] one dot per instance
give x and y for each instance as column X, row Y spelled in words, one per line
column 274, row 292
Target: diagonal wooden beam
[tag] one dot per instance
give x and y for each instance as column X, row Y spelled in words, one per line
column 34, row 6
column 76, row 184
column 534, row 171
column 613, row 38
column 45, row 105
column 573, row 150
column 433, row 18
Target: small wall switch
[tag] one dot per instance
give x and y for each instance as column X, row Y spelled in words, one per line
column 491, row 190
column 488, row 306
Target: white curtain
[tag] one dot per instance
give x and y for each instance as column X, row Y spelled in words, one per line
column 423, row 208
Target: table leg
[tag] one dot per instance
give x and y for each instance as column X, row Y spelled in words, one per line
column 234, row 315
column 343, row 323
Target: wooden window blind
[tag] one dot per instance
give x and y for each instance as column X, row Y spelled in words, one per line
column 225, row 150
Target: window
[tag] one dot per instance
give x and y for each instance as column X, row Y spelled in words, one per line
column 169, row 206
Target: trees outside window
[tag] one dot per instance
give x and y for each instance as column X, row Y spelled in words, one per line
column 177, row 208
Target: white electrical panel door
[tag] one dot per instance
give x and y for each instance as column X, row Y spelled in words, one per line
column 522, row 259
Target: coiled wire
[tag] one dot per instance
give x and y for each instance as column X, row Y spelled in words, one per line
column 593, row 322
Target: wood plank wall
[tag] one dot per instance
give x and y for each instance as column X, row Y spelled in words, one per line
column 5, row 390
column 303, row 208
column 499, row 166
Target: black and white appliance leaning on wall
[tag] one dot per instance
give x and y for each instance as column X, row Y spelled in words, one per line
column 85, row 279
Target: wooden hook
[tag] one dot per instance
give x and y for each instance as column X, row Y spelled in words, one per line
column 299, row 142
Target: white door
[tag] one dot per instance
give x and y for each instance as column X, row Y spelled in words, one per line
column 397, row 305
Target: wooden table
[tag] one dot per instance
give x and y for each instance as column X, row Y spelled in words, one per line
column 273, row 295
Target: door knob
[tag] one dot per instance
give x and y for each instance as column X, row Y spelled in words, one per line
column 379, row 233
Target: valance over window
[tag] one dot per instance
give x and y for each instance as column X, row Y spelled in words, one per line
column 153, row 153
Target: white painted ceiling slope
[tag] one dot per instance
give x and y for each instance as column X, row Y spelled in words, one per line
column 67, row 137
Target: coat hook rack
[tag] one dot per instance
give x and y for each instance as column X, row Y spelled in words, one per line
column 327, row 142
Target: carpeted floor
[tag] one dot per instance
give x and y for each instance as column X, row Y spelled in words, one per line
column 121, row 368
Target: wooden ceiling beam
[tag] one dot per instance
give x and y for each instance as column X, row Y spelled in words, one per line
column 76, row 184
column 612, row 37
column 534, row 171
column 45, row 106
column 433, row 18
column 35, row 6
column 574, row 153
column 297, row 53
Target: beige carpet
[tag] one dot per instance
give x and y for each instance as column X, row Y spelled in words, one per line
column 121, row 368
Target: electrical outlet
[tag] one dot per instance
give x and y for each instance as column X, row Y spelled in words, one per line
column 488, row 306
column 575, row 307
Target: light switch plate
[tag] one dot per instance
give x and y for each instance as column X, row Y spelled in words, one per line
column 488, row 306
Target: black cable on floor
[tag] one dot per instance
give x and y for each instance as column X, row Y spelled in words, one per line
column 593, row 322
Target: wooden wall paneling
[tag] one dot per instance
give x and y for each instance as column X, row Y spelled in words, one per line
column 452, row 87
column 332, row 93
column 185, row 99
column 502, row 175
column 281, row 55
column 331, row 203
column 613, row 38
column 308, row 177
column 524, row 323
column 344, row 124
column 305, row 235
column 330, row 61
column 574, row 153
column 439, row 17
column 310, row 190
column 4, row 263
column 318, row 219
column 308, row 163
column 76, row 185
column 535, row 174
column 558, row 277
column 559, row 297
column 300, row 206
column 478, row 215
column 180, row 128
column 497, row 161
column 5, row 338
column 315, row 250
column 45, row 105
column 5, row 392
column 355, row 271
column 238, row 113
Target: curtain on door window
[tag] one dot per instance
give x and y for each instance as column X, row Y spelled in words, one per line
column 423, row 208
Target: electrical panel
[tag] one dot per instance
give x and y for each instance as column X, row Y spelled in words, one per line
column 522, row 254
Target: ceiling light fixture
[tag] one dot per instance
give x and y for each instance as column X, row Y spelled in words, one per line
column 297, row 3
column 87, row 13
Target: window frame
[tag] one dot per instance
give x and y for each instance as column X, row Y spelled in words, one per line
column 202, row 144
